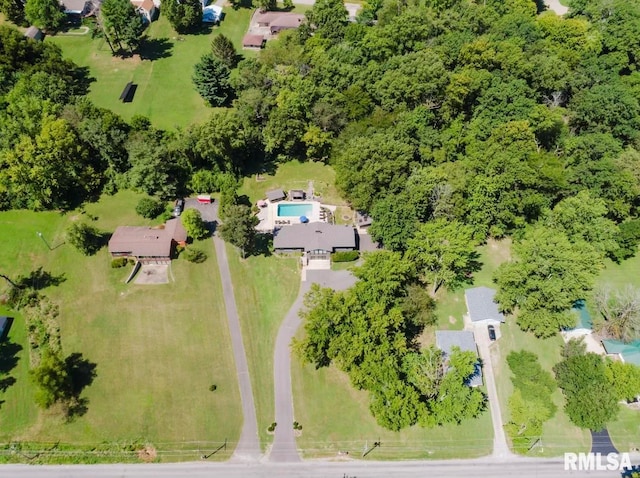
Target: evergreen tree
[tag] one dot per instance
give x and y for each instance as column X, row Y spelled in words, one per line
column 222, row 48
column 211, row 77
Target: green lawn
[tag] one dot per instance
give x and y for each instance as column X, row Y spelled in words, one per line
column 625, row 431
column 296, row 175
column 157, row 348
column 165, row 91
column 335, row 417
column 265, row 288
column 558, row 435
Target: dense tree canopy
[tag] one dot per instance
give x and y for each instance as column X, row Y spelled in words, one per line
column 184, row 15
column 45, row 14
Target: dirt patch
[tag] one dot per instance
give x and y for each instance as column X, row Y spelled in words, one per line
column 452, row 319
column 148, row 454
column 153, row 274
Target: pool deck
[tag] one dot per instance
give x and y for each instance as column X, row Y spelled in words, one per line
column 269, row 218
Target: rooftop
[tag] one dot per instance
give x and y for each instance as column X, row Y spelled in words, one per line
column 465, row 341
column 630, row 352
column 147, row 241
column 315, row 236
column 276, row 195
column 481, row 304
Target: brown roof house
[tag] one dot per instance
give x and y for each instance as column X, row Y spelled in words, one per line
column 148, row 244
column 146, row 9
column 278, row 21
column 253, row 41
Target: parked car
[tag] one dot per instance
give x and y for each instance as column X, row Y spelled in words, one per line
column 179, row 207
column 492, row 332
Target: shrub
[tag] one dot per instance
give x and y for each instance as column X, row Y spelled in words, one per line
column 345, row 256
column 119, row 262
column 149, row 208
column 213, row 388
column 196, row 256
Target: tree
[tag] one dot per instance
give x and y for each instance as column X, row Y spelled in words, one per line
column 149, row 208
column 628, row 239
column 184, row 15
column 84, row 237
column 328, row 18
column 591, row 401
column 13, row 10
column 624, row 379
column 619, row 310
column 444, row 252
column 267, row 5
column 548, row 274
column 53, row 380
column 122, row 25
column 211, row 78
column 394, row 222
column 222, row 48
column 45, row 14
column 239, row 227
column 193, row 224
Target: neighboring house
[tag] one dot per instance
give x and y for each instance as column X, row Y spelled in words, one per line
column 77, row 7
column 146, row 8
column 212, row 14
column 34, row 33
column 482, row 306
column 627, row 353
column 276, row 195
column 446, row 340
column 148, row 244
column 316, row 240
column 278, row 21
column 253, row 41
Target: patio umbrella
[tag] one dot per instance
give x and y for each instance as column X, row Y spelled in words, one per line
column 304, row 219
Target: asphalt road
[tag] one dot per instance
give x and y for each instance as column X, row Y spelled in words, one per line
column 481, row 468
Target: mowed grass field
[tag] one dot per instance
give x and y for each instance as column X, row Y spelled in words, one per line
column 157, row 348
column 265, row 288
column 165, row 92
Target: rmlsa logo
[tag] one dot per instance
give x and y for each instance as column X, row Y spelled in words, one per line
column 596, row 461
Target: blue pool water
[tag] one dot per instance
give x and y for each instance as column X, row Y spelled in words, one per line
column 294, row 210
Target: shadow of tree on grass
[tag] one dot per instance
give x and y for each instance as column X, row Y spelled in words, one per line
column 155, row 48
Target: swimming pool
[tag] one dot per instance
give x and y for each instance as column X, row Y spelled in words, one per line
column 295, row 210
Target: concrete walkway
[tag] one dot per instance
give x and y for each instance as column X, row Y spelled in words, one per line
column 248, row 448
column 284, row 442
column 501, row 450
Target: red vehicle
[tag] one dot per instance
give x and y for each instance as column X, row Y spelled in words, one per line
column 204, row 199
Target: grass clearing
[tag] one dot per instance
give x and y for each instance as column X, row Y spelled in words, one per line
column 165, row 91
column 157, row 348
column 265, row 288
column 296, row 175
column 625, row 431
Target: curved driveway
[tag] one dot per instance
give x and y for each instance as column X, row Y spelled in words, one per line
column 284, row 443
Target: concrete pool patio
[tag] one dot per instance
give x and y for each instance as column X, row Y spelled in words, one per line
column 270, row 217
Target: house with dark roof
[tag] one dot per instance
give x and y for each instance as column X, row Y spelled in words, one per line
column 276, row 195
column 316, row 240
column 482, row 307
column 447, row 340
column 278, row 21
column 363, row 220
column 148, row 244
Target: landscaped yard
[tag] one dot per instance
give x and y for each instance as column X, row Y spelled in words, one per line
column 158, row 348
column 165, row 92
column 625, row 431
column 265, row 288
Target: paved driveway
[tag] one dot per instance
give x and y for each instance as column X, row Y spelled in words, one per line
column 601, row 442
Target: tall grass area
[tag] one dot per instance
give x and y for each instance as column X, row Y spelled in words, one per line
column 265, row 288
column 158, row 348
column 165, row 91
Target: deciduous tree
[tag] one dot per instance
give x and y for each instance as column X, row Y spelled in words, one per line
column 193, row 224
column 239, row 227
column 122, row 25
column 45, row 14
column 184, row 15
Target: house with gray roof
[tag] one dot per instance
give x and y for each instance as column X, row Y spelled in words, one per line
column 482, row 306
column 34, row 33
column 446, row 340
column 317, row 240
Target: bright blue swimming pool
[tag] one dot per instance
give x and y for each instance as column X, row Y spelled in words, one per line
column 294, row 210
